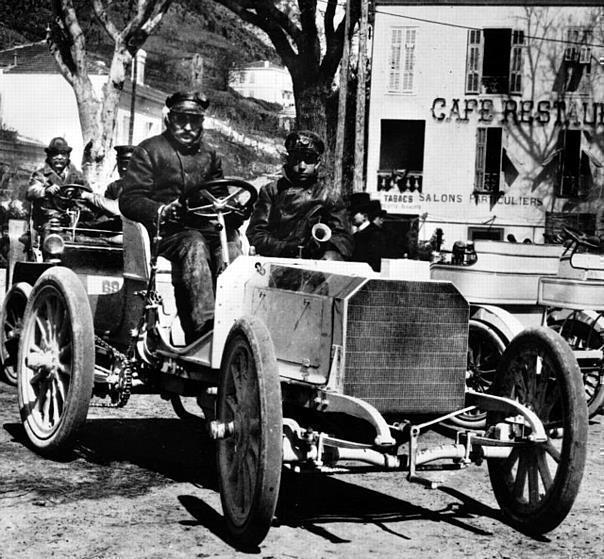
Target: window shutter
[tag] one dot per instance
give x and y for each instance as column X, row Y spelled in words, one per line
column 516, row 61
column 394, row 78
column 409, row 67
column 481, row 155
column 474, row 61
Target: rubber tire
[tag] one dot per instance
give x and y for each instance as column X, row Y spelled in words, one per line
column 60, row 289
column 477, row 420
column 570, row 413
column 596, row 400
column 11, row 318
column 250, row 338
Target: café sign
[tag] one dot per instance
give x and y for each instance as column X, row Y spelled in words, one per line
column 561, row 113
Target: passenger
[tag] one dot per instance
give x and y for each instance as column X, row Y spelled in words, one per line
column 367, row 237
column 287, row 209
column 162, row 170
column 46, row 182
column 108, row 203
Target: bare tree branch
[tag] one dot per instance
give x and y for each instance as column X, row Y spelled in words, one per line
column 100, row 9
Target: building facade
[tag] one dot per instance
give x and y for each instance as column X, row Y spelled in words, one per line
column 487, row 118
column 264, row 80
column 37, row 102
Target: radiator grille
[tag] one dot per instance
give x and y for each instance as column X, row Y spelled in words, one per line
column 406, row 346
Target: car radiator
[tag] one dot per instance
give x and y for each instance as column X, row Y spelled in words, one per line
column 406, row 346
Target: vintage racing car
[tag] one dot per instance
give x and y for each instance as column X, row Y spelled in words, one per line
column 310, row 364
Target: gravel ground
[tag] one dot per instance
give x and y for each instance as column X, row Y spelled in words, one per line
column 142, row 483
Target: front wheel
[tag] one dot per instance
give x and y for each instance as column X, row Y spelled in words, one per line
column 56, row 361
column 11, row 322
column 537, row 484
column 249, row 460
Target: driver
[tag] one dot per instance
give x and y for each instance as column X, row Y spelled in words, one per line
column 47, row 182
column 164, row 169
column 287, row 209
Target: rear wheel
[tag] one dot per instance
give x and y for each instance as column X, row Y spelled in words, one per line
column 56, row 361
column 583, row 336
column 13, row 309
column 249, row 460
column 536, row 485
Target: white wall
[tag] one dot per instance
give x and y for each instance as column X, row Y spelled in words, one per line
column 450, row 145
column 43, row 106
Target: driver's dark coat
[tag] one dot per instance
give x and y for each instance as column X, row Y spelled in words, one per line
column 283, row 217
column 42, row 208
column 162, row 170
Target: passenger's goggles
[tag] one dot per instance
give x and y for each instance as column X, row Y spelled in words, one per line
column 182, row 119
column 309, row 157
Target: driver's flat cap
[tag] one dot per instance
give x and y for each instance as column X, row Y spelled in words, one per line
column 188, row 102
column 304, row 140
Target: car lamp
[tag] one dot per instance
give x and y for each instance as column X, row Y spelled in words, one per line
column 53, row 244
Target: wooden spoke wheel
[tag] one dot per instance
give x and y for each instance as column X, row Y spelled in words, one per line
column 485, row 348
column 249, row 406
column 56, row 361
column 583, row 336
column 536, row 485
column 13, row 309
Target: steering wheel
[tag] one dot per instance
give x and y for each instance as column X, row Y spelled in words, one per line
column 588, row 241
column 225, row 205
column 69, row 196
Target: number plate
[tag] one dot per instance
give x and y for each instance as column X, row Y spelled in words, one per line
column 103, row 285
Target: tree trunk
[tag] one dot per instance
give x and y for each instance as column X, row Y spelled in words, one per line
column 98, row 120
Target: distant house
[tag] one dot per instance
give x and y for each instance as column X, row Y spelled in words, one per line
column 37, row 102
column 267, row 81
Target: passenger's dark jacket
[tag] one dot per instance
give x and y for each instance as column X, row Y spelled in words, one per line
column 370, row 245
column 162, row 170
column 285, row 213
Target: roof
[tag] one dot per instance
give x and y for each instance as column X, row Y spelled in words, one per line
column 260, row 64
column 35, row 58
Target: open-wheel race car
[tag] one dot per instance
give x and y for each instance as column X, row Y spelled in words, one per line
column 71, row 238
column 310, row 364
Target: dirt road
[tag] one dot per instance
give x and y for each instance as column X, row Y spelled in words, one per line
column 142, row 483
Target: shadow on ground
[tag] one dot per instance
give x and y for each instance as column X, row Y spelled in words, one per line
column 123, row 457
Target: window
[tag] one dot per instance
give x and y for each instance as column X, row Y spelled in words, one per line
column 401, row 63
column 487, row 174
column 575, row 71
column 401, row 155
column 494, row 61
column 485, row 233
column 569, row 181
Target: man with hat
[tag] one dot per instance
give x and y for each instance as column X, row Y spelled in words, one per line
column 162, row 170
column 108, row 203
column 47, row 182
column 287, row 209
column 368, row 240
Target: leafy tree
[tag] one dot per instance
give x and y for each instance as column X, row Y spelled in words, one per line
column 312, row 56
column 128, row 23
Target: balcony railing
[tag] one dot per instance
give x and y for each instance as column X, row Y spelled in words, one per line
column 403, row 180
column 495, row 84
column 490, row 184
